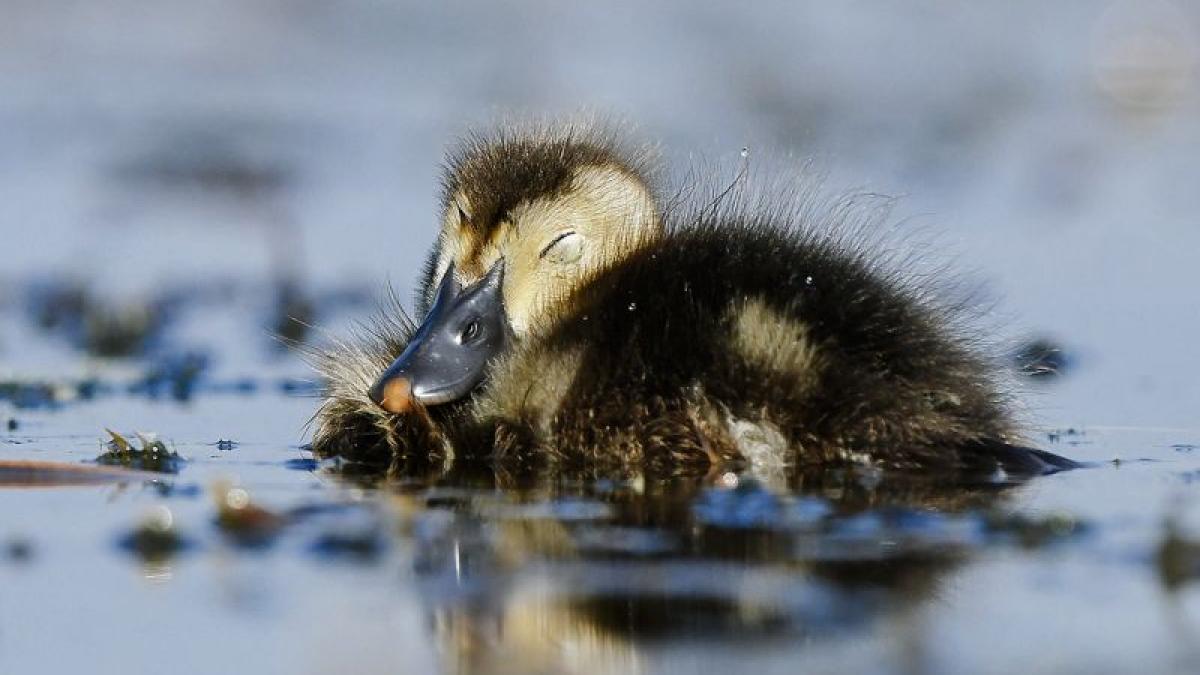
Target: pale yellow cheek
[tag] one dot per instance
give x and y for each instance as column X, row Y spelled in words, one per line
column 518, row 316
column 515, row 292
column 534, row 295
column 524, row 302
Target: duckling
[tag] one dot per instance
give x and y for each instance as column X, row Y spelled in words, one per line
column 568, row 317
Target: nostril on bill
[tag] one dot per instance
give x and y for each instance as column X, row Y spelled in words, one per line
column 394, row 395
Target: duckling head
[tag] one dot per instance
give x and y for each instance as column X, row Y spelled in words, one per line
column 527, row 218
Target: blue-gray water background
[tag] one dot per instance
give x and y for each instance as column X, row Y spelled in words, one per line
column 1053, row 147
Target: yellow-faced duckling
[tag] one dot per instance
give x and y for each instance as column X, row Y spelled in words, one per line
column 568, row 316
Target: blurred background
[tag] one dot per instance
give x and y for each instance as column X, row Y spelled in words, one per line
column 265, row 159
column 180, row 180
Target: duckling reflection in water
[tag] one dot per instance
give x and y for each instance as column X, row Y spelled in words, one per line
column 577, row 577
column 569, row 316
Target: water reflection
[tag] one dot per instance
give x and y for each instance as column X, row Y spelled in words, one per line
column 548, row 572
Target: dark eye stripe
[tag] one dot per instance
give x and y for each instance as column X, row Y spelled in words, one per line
column 557, row 239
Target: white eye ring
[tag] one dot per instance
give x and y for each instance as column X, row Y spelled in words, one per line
column 564, row 249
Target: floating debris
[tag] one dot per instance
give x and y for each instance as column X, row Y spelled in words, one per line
column 1057, row 435
column 30, row 473
column 152, row 456
column 244, row 522
column 1042, row 358
column 1178, row 558
column 32, row 395
column 156, row 539
column 18, row 550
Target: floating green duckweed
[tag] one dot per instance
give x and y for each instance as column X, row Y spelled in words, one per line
column 153, row 455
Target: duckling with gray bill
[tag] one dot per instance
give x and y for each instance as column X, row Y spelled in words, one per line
column 449, row 353
column 568, row 318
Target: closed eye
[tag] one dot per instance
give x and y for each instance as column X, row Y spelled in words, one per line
column 555, row 242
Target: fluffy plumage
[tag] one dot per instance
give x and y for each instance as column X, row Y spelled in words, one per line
column 764, row 331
